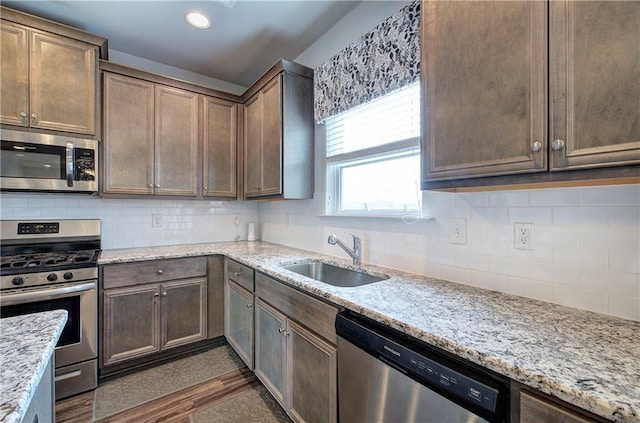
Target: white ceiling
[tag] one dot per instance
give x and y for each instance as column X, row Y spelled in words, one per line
column 243, row 41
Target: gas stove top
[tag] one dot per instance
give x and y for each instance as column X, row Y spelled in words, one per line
column 42, row 262
column 45, row 252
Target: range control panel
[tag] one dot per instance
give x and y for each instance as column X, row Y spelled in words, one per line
column 30, row 228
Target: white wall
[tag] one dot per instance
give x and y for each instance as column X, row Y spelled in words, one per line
column 128, row 223
column 586, row 240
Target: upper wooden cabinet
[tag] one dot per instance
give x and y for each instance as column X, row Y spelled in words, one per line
column 485, row 70
column 278, row 134
column 48, row 81
column 155, row 131
column 219, row 141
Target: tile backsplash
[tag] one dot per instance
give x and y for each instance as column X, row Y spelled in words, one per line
column 129, row 223
column 586, row 242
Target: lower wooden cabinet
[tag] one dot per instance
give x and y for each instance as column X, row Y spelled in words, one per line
column 536, row 407
column 295, row 364
column 146, row 309
column 238, row 320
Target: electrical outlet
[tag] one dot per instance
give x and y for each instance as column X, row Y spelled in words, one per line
column 523, row 237
column 458, row 231
column 236, row 221
column 156, row 220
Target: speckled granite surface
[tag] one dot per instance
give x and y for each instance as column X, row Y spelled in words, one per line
column 26, row 343
column 587, row 359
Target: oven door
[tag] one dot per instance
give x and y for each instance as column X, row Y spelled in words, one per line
column 78, row 341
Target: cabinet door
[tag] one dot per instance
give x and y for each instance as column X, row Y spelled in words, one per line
column 183, row 312
column 595, row 83
column 130, row 323
column 128, row 135
column 253, row 146
column 312, row 377
column 176, row 142
column 238, row 320
column 272, row 137
column 536, row 410
column 270, row 359
column 62, row 87
column 14, row 75
column 220, row 119
column 484, row 75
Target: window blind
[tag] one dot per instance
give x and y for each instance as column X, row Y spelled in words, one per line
column 391, row 118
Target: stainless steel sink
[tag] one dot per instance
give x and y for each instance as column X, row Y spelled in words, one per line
column 333, row 275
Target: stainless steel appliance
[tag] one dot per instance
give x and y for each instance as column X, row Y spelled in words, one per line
column 49, row 265
column 386, row 376
column 31, row 161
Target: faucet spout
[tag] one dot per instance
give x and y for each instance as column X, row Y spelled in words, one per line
column 354, row 253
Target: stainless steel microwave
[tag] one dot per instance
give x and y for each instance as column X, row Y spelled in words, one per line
column 32, row 161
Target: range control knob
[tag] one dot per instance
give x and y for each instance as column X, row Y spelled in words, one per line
column 17, row 281
column 68, row 275
column 52, row 277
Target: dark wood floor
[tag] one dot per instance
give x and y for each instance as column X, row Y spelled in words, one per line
column 174, row 408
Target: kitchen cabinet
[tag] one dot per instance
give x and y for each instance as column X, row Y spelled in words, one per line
column 529, row 406
column 219, row 138
column 278, row 134
column 295, row 353
column 48, row 81
column 41, row 408
column 148, row 307
column 487, row 117
column 238, row 310
column 150, row 138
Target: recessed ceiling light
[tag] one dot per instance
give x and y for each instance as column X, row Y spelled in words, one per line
column 197, row 20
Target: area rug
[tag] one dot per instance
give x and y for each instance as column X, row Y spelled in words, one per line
column 254, row 405
column 129, row 391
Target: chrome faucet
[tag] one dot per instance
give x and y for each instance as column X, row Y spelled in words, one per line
column 357, row 247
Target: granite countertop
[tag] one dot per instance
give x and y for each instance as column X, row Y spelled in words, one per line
column 26, row 343
column 585, row 358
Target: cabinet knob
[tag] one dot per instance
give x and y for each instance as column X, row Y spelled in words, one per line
column 150, row 185
column 23, row 115
column 249, row 305
column 160, row 271
column 164, row 294
column 557, row 144
column 156, row 294
column 236, row 273
column 258, row 188
column 206, row 188
column 34, row 118
column 157, row 185
column 287, row 333
column 537, row 146
column 281, row 330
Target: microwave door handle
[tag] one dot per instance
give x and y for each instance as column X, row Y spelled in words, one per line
column 70, row 164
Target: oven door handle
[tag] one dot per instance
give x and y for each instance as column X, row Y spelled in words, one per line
column 43, row 294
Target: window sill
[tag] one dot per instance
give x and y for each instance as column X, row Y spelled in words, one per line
column 407, row 218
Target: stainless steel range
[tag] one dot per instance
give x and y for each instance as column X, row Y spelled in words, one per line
column 49, row 265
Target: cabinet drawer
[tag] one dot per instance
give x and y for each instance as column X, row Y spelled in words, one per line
column 314, row 314
column 241, row 274
column 128, row 274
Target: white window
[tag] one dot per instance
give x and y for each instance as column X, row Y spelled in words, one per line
column 373, row 156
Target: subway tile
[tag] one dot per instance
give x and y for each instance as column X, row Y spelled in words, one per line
column 472, row 199
column 537, row 215
column 616, row 237
column 555, row 197
column 489, row 247
column 518, row 198
column 541, row 253
column 625, row 216
column 613, row 282
column 556, row 235
column 590, row 257
column 580, row 298
column 564, row 275
column 530, row 288
column 491, row 215
column 8, row 201
column 624, row 260
column 611, row 195
column 472, row 261
column 624, row 306
column 455, row 274
column 488, row 280
column 576, row 216
column 503, row 232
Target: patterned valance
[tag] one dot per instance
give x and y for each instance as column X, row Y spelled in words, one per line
column 383, row 60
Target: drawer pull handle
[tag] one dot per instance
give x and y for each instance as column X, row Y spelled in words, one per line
column 249, row 305
column 236, row 274
column 160, row 271
column 281, row 330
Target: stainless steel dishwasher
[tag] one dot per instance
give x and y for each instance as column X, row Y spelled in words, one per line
column 386, row 376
